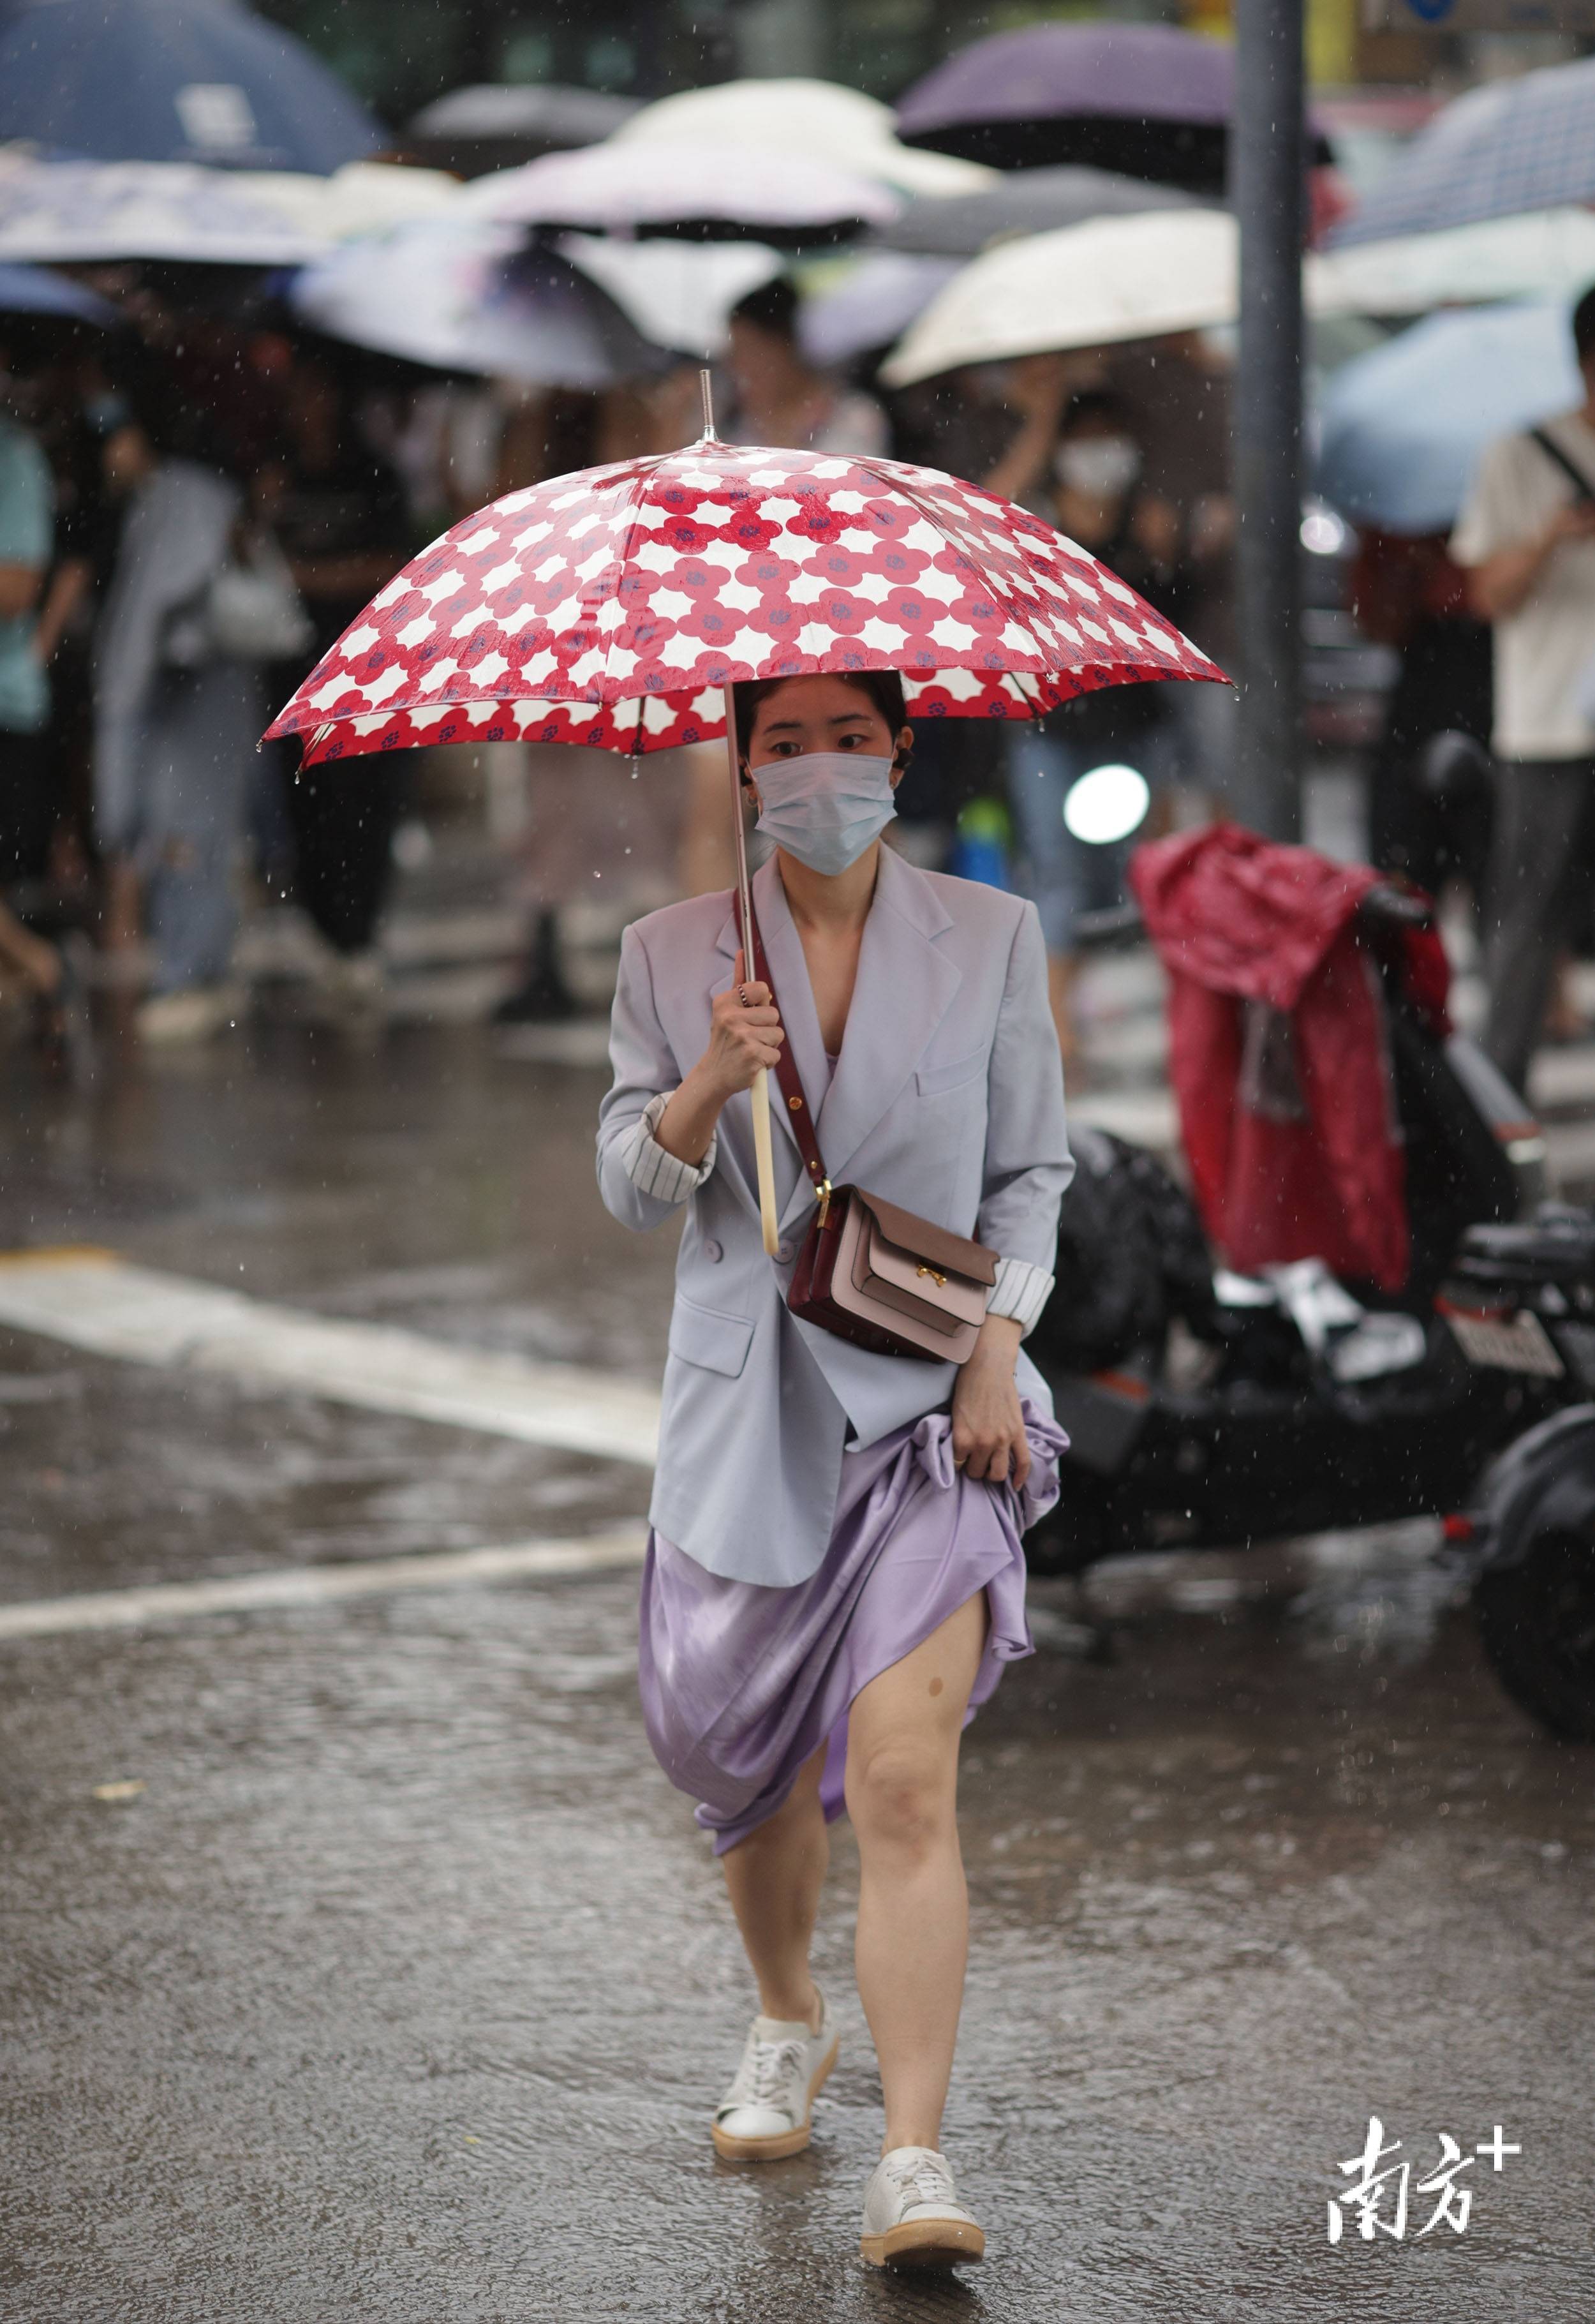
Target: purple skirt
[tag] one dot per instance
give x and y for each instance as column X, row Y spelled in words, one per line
column 741, row 1683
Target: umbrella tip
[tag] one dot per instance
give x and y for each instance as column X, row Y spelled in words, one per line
column 707, row 389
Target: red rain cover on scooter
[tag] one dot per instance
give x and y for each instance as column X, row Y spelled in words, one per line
column 1292, row 1139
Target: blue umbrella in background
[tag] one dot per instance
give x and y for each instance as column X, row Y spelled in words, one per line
column 1402, row 427
column 1514, row 145
column 35, row 290
column 174, row 80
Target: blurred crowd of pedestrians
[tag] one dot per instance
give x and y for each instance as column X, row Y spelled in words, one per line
column 192, row 510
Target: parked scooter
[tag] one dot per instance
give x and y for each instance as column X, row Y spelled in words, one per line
column 1208, row 1409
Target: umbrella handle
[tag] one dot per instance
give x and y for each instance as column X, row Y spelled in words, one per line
column 759, row 1095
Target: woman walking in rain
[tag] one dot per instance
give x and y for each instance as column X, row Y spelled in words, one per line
column 835, row 1575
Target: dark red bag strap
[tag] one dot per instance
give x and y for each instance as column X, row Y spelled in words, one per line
column 786, row 1072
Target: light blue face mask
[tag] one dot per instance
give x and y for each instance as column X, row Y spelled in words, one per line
column 826, row 807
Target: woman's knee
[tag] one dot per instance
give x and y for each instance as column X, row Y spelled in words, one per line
column 902, row 1796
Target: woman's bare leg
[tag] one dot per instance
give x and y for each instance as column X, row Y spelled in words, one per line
column 913, row 1924
column 775, row 1876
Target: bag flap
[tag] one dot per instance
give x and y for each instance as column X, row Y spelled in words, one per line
column 953, row 1254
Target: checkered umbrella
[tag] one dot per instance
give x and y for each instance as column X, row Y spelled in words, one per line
column 1512, row 146
column 619, row 605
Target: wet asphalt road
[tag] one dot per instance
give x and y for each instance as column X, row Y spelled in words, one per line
column 403, row 1986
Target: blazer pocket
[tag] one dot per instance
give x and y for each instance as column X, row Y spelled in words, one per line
column 931, row 1081
column 702, row 1335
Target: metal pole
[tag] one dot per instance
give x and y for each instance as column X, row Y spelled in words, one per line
column 1267, row 180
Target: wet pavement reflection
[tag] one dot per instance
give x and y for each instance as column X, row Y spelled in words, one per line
column 358, row 1961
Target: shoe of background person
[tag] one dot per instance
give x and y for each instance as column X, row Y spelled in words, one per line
column 542, row 997
column 195, row 1013
column 912, row 2214
column 765, row 2114
column 357, row 981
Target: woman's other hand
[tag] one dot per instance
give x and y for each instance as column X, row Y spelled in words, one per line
column 744, row 1040
column 989, row 1438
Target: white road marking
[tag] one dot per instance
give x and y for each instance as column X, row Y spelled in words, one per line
column 319, row 1585
column 92, row 1300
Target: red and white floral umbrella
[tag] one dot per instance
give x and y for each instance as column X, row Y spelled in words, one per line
column 619, row 605
column 611, row 606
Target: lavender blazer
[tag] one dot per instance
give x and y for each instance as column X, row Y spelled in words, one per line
column 947, row 1098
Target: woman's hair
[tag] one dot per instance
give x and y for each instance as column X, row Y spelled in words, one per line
column 883, row 686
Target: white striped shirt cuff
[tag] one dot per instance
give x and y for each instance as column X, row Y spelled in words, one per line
column 654, row 1172
column 1021, row 1291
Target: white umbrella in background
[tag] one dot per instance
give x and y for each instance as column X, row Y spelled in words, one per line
column 1540, row 254
column 67, row 212
column 717, row 191
column 362, row 197
column 72, row 212
column 1110, row 280
column 814, row 119
column 678, row 294
column 464, row 294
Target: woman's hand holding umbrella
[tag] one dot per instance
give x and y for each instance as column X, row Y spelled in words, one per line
column 744, row 1041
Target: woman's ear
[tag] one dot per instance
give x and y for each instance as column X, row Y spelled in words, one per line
column 902, row 756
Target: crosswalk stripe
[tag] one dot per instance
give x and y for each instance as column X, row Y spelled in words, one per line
column 315, row 1585
column 91, row 1299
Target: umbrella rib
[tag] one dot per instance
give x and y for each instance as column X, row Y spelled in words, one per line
column 1044, row 677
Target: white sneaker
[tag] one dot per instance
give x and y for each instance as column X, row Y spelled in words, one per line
column 912, row 2216
column 765, row 2113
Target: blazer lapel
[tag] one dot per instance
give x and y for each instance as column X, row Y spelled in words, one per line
column 904, row 988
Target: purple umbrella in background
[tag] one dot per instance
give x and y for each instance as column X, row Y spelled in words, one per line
column 1144, row 99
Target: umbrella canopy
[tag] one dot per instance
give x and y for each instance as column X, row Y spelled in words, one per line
column 491, row 127
column 613, row 607
column 1085, row 286
column 72, row 212
column 34, row 290
column 1402, row 427
column 1143, row 98
column 1025, row 201
column 464, row 294
column 870, row 304
column 678, row 294
column 719, row 191
column 1544, row 255
column 815, row 119
column 1525, row 145
column 174, row 80
column 75, row 212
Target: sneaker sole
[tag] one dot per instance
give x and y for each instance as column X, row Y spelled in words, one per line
column 785, row 2141
column 926, row 2243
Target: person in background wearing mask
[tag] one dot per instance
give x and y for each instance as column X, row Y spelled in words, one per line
column 834, row 1573
column 176, row 720
column 1091, row 488
column 338, row 510
column 27, row 792
column 1527, row 539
